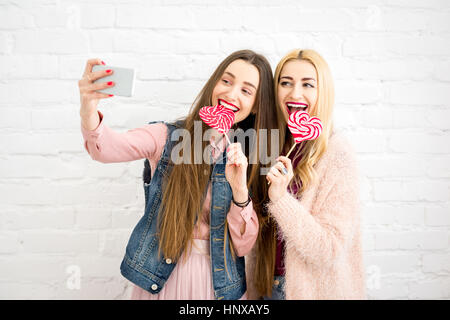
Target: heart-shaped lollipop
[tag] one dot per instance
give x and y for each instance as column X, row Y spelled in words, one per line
column 217, row 117
column 303, row 127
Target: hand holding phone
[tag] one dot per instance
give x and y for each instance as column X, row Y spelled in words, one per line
column 96, row 83
column 122, row 78
column 89, row 96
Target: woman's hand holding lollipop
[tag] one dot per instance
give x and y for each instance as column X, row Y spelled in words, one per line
column 303, row 127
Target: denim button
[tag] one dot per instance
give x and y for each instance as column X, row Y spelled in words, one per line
column 154, row 287
column 168, row 261
column 276, row 282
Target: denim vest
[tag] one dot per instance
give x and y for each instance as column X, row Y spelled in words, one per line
column 144, row 267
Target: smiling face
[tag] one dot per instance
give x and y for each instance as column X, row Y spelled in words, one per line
column 297, row 87
column 237, row 88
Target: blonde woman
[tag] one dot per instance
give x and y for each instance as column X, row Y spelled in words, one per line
column 310, row 243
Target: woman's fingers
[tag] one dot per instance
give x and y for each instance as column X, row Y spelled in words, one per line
column 100, row 86
column 90, row 64
column 93, row 76
column 96, row 86
column 236, row 159
column 286, row 162
column 278, row 172
column 234, row 147
column 281, row 168
column 278, row 169
column 275, row 172
column 89, row 78
column 87, row 85
column 235, row 154
column 98, row 95
column 230, row 156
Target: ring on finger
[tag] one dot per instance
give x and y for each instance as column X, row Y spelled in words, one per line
column 283, row 170
column 275, row 172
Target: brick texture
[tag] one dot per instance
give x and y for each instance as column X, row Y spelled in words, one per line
column 65, row 218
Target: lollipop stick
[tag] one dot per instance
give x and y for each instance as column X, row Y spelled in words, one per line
column 228, row 139
column 292, row 148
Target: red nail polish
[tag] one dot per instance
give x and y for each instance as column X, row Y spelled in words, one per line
column 103, row 63
column 111, row 95
column 110, row 83
column 108, row 71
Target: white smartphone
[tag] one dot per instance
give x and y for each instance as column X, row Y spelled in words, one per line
column 122, row 77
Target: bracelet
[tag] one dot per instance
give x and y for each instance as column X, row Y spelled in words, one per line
column 243, row 204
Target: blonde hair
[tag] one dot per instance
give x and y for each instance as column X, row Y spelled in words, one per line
column 309, row 151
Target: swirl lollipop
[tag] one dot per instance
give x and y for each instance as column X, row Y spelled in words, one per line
column 218, row 117
column 303, row 127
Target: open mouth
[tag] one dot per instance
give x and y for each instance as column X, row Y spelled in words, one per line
column 228, row 105
column 296, row 106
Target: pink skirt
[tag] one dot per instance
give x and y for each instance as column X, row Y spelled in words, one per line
column 191, row 279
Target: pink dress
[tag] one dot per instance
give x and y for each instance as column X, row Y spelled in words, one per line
column 191, row 277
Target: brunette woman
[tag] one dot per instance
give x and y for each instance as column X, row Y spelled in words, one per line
column 200, row 219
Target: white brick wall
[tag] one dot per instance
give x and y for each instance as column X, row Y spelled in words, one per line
column 64, row 215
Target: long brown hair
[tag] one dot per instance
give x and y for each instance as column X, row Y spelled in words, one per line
column 309, row 153
column 185, row 186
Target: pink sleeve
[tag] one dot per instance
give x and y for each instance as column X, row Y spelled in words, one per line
column 106, row 145
column 243, row 217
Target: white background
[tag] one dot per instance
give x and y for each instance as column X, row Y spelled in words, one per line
column 65, row 217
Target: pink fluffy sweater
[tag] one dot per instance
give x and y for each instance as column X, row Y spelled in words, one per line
column 323, row 256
